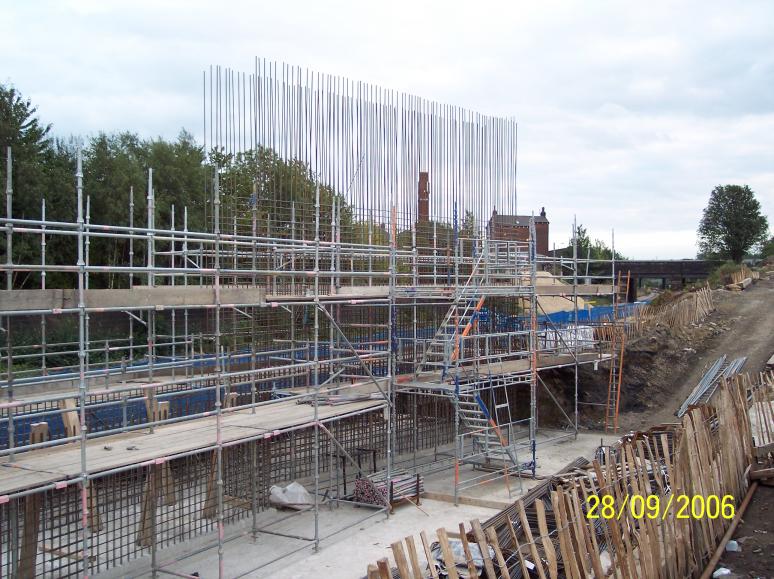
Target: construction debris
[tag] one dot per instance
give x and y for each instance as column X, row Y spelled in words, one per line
column 293, row 496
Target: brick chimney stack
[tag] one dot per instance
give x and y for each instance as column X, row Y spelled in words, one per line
column 423, row 199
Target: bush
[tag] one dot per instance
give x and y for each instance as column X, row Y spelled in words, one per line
column 720, row 276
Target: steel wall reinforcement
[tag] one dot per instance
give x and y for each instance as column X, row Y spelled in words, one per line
column 319, row 316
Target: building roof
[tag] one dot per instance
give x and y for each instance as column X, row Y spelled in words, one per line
column 514, row 220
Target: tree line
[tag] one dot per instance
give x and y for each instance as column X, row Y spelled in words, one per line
column 43, row 169
column 256, row 186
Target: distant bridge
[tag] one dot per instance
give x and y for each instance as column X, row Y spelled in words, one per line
column 673, row 273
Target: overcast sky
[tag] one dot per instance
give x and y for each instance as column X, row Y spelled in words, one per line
column 629, row 113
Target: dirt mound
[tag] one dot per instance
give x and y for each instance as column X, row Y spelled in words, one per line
column 663, row 366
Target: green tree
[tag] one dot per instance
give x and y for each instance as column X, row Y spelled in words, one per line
column 42, row 168
column 596, row 249
column 280, row 193
column 28, row 138
column 732, row 223
column 117, row 163
column 179, row 177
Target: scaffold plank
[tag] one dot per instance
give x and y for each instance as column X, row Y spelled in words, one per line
column 40, row 467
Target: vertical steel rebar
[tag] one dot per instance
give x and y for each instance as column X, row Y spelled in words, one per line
column 218, row 379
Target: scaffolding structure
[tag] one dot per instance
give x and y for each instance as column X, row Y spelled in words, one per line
column 328, row 312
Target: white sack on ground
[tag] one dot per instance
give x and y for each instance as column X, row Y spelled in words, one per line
column 293, row 496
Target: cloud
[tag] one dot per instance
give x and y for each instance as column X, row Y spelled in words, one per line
column 628, row 113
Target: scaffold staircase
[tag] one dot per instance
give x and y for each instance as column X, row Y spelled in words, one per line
column 617, row 348
column 444, row 350
column 488, row 439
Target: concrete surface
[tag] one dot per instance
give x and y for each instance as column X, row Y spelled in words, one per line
column 356, row 536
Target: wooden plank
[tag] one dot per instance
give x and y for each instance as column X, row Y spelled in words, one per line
column 29, row 546
column 160, row 296
column 646, row 559
column 230, row 400
column 412, row 552
column 478, row 533
column 697, row 479
column 168, row 485
column 93, row 518
column 530, row 540
column 677, row 528
column 70, row 418
column 468, row 556
column 709, row 482
column 448, row 557
column 582, row 524
column 38, row 432
column 612, row 540
column 564, row 548
column 428, row 555
column 148, row 510
column 762, row 473
column 548, row 544
column 574, row 543
column 653, row 527
column 472, row 501
column 617, row 487
column 373, row 571
column 492, row 536
column 209, row 507
column 667, row 523
column 384, row 568
column 400, row 560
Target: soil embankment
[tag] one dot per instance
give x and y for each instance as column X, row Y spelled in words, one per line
column 663, row 366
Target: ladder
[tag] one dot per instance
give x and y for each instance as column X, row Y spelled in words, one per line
column 617, row 347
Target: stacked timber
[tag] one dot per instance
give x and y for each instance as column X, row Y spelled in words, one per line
column 375, row 489
column 562, row 530
column 761, row 399
column 744, row 273
column 688, row 309
column 742, row 279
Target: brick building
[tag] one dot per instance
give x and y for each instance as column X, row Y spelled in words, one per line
column 516, row 228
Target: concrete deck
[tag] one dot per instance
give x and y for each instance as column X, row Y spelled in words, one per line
column 137, row 297
column 37, row 468
column 36, row 300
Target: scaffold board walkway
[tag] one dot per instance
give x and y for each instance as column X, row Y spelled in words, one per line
column 41, row 467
